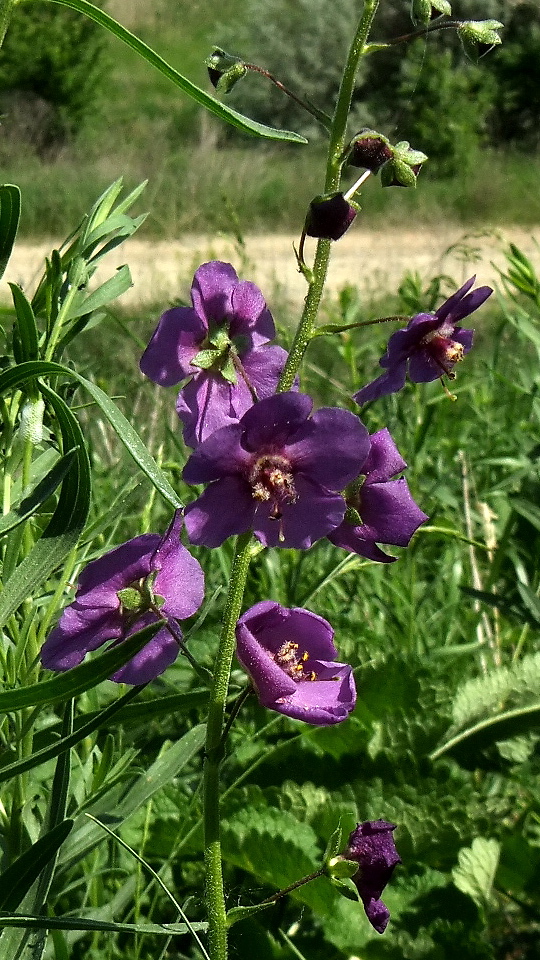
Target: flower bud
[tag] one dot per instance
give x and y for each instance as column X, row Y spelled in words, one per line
column 479, row 36
column 329, row 216
column 403, row 169
column 422, row 11
column 369, row 149
column 224, row 70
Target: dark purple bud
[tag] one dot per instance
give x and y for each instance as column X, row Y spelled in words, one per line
column 369, row 149
column 329, row 217
column 372, row 846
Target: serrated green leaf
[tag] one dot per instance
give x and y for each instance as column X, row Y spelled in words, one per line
column 76, row 681
column 479, row 736
column 10, row 211
column 19, row 877
column 200, row 96
column 476, row 870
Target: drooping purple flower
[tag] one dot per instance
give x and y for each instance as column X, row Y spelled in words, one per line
column 113, row 601
column 429, row 346
column 290, row 657
column 276, row 472
column 379, row 509
column 372, row 845
column 221, row 344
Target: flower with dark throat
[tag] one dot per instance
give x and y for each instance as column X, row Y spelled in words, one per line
column 276, row 472
column 372, row 846
column 379, row 509
column 290, row 656
column 221, row 344
column 132, row 586
column 429, row 346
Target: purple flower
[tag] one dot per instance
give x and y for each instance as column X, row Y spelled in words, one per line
column 276, row 472
column 221, row 344
column 290, row 657
column 113, row 601
column 379, row 510
column 329, row 217
column 372, row 845
column 429, row 346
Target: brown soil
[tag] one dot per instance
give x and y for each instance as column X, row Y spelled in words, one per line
column 369, row 259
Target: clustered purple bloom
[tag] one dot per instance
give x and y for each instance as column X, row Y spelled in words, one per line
column 151, row 566
column 290, row 657
column 221, row 344
column 379, row 509
column 372, row 846
column 429, row 346
column 277, row 471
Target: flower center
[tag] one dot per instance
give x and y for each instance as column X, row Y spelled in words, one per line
column 271, row 479
column 445, row 351
column 292, row 662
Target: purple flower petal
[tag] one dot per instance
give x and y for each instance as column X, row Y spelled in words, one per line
column 384, row 459
column 333, row 444
column 97, row 614
column 289, row 654
column 273, row 422
column 249, row 312
column 225, row 509
column 430, row 345
column 302, row 523
column 371, row 845
column 174, row 343
column 212, row 290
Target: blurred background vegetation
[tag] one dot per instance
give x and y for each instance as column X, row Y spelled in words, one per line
column 78, row 108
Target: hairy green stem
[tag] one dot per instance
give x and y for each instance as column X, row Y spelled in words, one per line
column 338, row 134
column 215, row 899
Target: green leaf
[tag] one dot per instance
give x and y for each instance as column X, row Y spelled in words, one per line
column 10, row 211
column 476, row 870
column 114, row 287
column 76, row 681
column 502, row 726
column 70, row 515
column 200, row 96
column 26, row 324
column 80, row 923
column 168, row 765
column 37, row 494
column 15, row 376
column 19, row 877
column 8, row 771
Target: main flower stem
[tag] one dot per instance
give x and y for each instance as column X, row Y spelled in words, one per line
column 338, row 134
column 215, row 899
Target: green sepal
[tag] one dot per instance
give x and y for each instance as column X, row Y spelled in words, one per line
column 340, row 869
column 346, row 888
column 130, row 598
column 334, row 844
column 479, row 36
column 206, row 359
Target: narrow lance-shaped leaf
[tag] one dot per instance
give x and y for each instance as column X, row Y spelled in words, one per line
column 10, row 211
column 200, row 96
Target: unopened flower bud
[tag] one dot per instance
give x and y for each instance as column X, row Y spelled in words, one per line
column 422, row 11
column 224, row 70
column 369, row 149
column 479, row 36
column 403, row 169
column 329, row 216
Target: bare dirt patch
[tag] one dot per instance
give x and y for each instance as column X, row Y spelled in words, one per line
column 369, row 259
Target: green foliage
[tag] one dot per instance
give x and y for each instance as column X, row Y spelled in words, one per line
column 51, row 75
column 516, row 68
